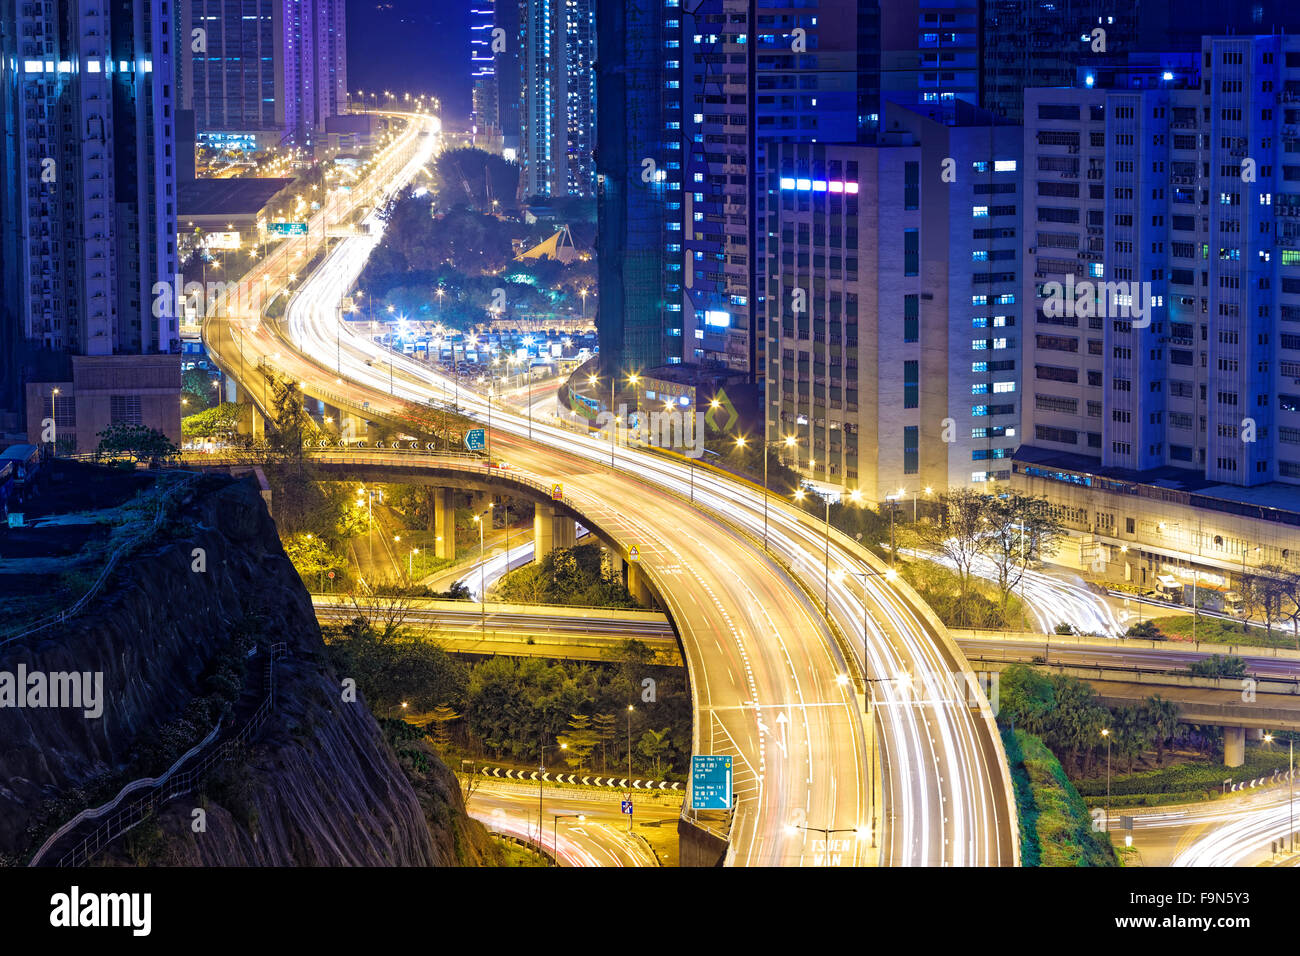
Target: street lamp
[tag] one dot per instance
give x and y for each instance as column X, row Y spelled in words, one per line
column 824, row 831
column 54, row 425
column 799, row 496
column 482, row 570
column 1290, row 778
column 629, row 743
column 893, row 506
column 1105, row 732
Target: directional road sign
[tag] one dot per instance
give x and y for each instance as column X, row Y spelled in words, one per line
column 710, row 782
column 476, row 439
column 287, row 228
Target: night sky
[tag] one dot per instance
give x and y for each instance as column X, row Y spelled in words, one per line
column 415, row 46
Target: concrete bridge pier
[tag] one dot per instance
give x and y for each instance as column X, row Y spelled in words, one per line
column 444, row 523
column 1234, row 746
column 617, row 565
column 543, row 531
column 351, row 427
column 251, row 422
column 639, row 586
column 565, row 531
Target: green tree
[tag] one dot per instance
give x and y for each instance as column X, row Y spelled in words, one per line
column 1219, row 665
column 1145, row 630
column 135, row 443
column 1162, row 718
column 653, row 745
column 440, row 730
column 197, row 389
column 1266, row 592
column 313, row 558
column 220, row 421
column 1021, row 529
column 960, row 534
column 606, row 727
column 1026, row 698
column 580, row 740
column 1131, row 731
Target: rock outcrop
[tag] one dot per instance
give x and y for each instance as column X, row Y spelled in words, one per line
column 318, row 785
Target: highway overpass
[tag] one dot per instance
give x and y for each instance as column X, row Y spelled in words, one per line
column 744, row 577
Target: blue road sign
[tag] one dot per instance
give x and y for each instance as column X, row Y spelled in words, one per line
column 287, row 228
column 476, row 439
column 710, row 782
column 626, row 806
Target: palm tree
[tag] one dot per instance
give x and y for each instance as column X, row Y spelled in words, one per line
column 1162, row 719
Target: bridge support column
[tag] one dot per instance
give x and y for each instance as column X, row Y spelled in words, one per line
column 543, row 531
column 351, row 428
column 617, row 566
column 1234, row 746
column 638, row 586
column 444, row 523
column 564, row 532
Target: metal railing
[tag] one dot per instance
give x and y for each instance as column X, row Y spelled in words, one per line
column 173, row 783
column 119, row 552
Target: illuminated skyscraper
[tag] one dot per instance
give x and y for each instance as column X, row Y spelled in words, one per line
column 88, row 215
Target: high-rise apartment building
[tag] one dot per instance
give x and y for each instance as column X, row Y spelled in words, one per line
column 557, row 111
column 639, row 170
column 1172, row 376
column 88, row 214
column 751, row 77
column 230, row 65
column 892, row 305
column 723, row 78
column 315, row 66
column 486, row 92
column 267, row 71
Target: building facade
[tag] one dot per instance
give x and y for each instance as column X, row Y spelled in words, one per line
column 88, row 211
column 892, row 306
column 486, row 93
column 1178, row 181
column 557, row 104
column 264, row 70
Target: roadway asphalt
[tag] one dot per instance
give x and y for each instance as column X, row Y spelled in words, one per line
column 1173, row 656
column 768, row 681
column 601, row 839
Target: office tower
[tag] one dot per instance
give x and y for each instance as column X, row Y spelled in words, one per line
column 715, row 83
column 231, row 68
column 892, row 304
column 930, row 54
column 1206, row 386
column 1170, row 438
column 639, row 168
column 315, row 66
column 789, row 73
column 88, row 223
column 486, row 94
column 557, row 53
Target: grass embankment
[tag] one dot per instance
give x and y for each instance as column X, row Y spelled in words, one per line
column 1213, row 630
column 1055, row 826
column 1180, row 783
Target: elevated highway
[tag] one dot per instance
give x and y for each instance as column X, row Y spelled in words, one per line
column 780, row 681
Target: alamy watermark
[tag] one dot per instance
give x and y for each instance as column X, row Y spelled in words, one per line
column 1113, row 300
column 680, row 431
column 23, row 689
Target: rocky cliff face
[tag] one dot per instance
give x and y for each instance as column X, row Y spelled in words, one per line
column 319, row 785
